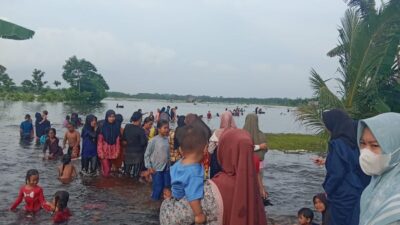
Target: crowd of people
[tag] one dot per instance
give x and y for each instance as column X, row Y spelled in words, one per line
column 215, row 177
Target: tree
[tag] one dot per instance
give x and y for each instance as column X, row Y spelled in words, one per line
column 6, row 83
column 368, row 44
column 57, row 83
column 85, row 81
column 27, row 85
column 38, row 84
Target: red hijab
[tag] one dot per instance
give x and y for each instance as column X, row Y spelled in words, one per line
column 237, row 182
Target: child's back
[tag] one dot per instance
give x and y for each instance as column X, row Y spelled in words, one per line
column 66, row 171
column 187, row 180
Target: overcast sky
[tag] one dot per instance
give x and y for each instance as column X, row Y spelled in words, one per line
column 243, row 48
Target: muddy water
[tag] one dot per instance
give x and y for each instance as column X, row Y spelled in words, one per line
column 291, row 179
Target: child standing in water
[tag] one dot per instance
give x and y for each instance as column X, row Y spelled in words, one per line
column 187, row 175
column 108, row 142
column 156, row 159
column 26, row 128
column 66, row 171
column 89, row 145
column 32, row 193
column 52, row 143
column 60, row 207
column 73, row 138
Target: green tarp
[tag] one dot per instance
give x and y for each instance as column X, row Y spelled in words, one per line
column 12, row 31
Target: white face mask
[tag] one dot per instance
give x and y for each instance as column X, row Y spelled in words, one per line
column 373, row 164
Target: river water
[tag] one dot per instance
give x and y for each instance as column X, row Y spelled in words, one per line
column 291, row 179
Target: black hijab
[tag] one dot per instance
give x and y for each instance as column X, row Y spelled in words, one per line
column 110, row 131
column 325, row 214
column 181, row 121
column 88, row 126
column 340, row 126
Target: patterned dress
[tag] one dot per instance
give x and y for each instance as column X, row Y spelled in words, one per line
column 179, row 212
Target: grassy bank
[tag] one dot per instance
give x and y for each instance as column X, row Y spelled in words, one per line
column 289, row 142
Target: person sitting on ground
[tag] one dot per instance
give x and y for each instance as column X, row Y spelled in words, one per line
column 187, row 175
column 73, row 138
column 380, row 158
column 66, row 171
column 52, row 144
column 305, row 217
column 26, row 128
column 321, row 205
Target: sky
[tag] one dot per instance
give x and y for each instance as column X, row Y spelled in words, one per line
column 230, row 48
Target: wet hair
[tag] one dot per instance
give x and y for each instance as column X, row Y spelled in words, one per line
column 71, row 123
column 162, row 123
column 27, row 117
column 306, row 213
column 119, row 118
column 66, row 159
column 61, row 200
column 31, row 172
column 192, row 139
column 45, row 112
column 51, row 129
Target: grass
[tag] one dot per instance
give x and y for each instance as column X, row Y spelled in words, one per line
column 296, row 142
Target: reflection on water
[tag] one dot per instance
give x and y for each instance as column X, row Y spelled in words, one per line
column 291, row 179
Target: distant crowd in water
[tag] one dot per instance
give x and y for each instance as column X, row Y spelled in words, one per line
column 216, row 177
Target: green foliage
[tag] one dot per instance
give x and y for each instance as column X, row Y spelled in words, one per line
column 288, row 142
column 368, row 44
column 87, row 85
column 37, row 81
column 17, row 96
column 6, row 83
column 192, row 98
column 57, row 83
column 52, row 96
column 27, row 86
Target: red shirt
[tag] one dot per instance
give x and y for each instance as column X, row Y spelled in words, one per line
column 62, row 216
column 34, row 199
column 256, row 161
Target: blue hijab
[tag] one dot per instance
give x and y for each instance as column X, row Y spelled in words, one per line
column 380, row 201
column 110, row 131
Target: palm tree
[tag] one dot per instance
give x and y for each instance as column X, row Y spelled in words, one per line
column 368, row 44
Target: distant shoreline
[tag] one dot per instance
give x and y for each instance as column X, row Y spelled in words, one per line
column 208, row 99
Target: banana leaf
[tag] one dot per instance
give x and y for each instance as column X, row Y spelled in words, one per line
column 13, row 31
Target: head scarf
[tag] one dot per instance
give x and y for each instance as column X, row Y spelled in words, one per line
column 38, row 118
column 325, row 214
column 110, row 131
column 258, row 137
column 340, row 126
column 119, row 119
column 237, row 182
column 227, row 122
column 380, row 201
column 88, row 121
column 181, row 121
column 136, row 116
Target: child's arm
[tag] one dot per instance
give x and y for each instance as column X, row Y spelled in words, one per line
column 147, row 155
column 45, row 146
column 43, row 202
column 199, row 217
column 65, row 139
column 74, row 173
column 18, row 200
column 78, row 139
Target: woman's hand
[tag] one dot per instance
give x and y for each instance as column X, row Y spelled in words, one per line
column 263, row 146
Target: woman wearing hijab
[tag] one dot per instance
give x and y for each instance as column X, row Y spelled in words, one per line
column 117, row 163
column 260, row 147
column 344, row 181
column 380, row 158
column 232, row 196
column 321, row 205
column 108, row 143
column 89, row 145
column 227, row 122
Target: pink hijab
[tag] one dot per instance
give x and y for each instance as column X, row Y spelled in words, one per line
column 227, row 122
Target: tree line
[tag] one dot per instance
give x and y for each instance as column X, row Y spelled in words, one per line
column 86, row 85
column 203, row 98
